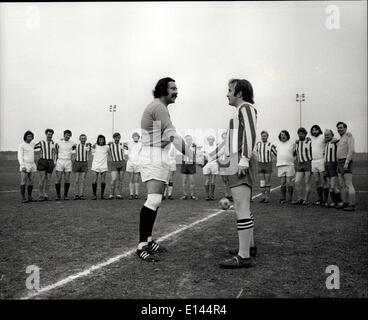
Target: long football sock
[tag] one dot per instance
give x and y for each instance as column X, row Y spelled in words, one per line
column 103, row 185
column 283, row 192
column 320, row 193
column 66, row 189
column 213, row 186
column 23, row 190
column 152, row 222
column 326, row 192
column 207, row 188
column 131, row 188
column 29, row 190
column 244, row 233
column 338, row 197
column 58, row 187
column 290, row 190
column 146, row 222
column 94, row 188
column 333, row 197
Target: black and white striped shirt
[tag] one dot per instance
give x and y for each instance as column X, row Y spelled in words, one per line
column 264, row 150
column 331, row 151
column 303, row 150
column 47, row 149
column 242, row 132
column 82, row 152
column 241, row 135
column 116, row 151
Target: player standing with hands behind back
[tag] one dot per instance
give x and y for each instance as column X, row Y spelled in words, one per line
column 157, row 133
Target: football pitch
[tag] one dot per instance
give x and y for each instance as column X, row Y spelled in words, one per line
column 86, row 249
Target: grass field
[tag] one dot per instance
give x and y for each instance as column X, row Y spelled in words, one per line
column 77, row 238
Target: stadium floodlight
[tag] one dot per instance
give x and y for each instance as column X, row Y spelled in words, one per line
column 300, row 97
column 112, row 109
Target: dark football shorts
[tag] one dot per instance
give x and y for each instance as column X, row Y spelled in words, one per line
column 265, row 167
column 80, row 166
column 45, row 165
column 188, row 168
column 340, row 166
column 304, row 167
column 331, row 169
column 118, row 165
column 249, row 179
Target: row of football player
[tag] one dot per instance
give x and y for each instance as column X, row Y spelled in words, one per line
column 66, row 157
column 321, row 155
column 327, row 158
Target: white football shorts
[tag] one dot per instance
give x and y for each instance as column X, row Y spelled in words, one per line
column 286, row 171
column 318, row 165
column 211, row 168
column 154, row 164
column 63, row 165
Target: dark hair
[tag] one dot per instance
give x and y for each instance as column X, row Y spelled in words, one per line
column 67, row 131
column 26, row 134
column 286, row 133
column 161, row 87
column 245, row 87
column 116, row 134
column 343, row 123
column 101, row 136
column 302, row 130
column 82, row 135
column 316, row 126
column 135, row 134
column 49, row 130
column 264, row 132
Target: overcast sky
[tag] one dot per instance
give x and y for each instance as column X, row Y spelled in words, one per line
column 63, row 64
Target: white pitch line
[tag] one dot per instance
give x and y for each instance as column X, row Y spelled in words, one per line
column 98, row 266
column 259, row 194
column 12, row 191
column 239, row 294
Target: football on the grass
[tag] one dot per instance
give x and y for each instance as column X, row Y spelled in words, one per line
column 224, row 203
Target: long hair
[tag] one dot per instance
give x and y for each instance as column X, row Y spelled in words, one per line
column 316, row 126
column 161, row 87
column 98, row 138
column 245, row 87
column 26, row 134
column 287, row 134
